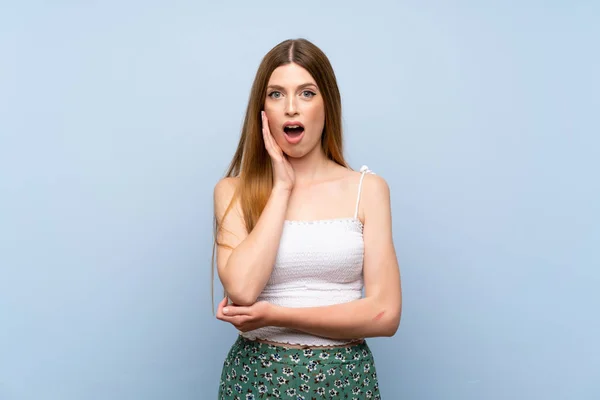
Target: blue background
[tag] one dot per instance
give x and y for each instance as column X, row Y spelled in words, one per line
column 117, row 119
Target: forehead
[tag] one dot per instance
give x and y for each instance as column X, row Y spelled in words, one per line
column 290, row 75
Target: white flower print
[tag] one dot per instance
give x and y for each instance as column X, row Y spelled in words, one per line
column 304, row 387
column 304, row 377
column 281, row 380
column 311, row 366
column 261, row 372
column 262, row 388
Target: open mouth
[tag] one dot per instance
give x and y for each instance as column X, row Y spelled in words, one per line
column 294, row 131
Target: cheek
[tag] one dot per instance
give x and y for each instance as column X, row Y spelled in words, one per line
column 317, row 116
column 317, row 109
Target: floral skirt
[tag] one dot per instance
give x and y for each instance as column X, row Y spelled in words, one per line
column 254, row 370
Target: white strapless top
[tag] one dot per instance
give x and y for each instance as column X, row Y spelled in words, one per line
column 318, row 263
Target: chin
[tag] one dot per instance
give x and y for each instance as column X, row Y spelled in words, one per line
column 295, row 153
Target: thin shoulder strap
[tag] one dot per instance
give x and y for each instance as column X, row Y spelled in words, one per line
column 364, row 169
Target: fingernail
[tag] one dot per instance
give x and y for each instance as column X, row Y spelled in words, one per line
column 225, row 310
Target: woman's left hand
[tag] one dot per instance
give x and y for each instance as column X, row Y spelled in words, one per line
column 244, row 318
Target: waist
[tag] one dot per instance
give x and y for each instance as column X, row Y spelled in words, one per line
column 291, row 338
column 306, row 346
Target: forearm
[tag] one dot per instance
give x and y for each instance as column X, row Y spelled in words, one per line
column 250, row 264
column 362, row 318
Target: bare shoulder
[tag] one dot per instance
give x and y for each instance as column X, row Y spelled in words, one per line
column 376, row 186
column 223, row 194
column 376, row 195
column 226, row 186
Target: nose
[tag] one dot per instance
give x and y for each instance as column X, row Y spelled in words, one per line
column 291, row 108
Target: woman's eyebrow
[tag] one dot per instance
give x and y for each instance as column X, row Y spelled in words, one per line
column 277, row 87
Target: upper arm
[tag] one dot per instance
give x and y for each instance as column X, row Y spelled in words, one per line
column 230, row 221
column 381, row 270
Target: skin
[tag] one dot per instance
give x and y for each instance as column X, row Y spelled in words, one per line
column 308, row 186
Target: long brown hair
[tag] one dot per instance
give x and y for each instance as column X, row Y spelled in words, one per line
column 251, row 163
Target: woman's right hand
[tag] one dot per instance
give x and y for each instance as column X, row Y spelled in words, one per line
column 283, row 173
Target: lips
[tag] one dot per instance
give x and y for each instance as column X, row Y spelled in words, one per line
column 293, row 128
column 294, row 131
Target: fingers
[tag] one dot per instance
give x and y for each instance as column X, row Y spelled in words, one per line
column 265, row 122
column 223, row 302
column 267, row 134
column 236, row 310
column 270, row 144
column 220, row 307
column 239, row 321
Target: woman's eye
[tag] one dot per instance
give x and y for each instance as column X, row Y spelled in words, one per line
column 308, row 93
column 275, row 95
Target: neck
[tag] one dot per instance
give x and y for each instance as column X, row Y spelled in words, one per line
column 312, row 167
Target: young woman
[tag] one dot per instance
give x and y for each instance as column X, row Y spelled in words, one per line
column 298, row 236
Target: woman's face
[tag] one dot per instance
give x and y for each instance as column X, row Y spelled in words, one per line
column 295, row 109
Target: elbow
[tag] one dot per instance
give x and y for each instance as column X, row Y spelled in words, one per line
column 242, row 300
column 391, row 328
column 239, row 292
column 241, row 295
column 391, row 324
